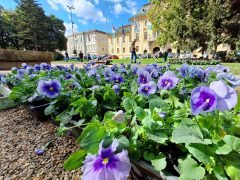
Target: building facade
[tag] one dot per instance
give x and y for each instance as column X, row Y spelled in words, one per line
column 94, row 42
column 140, row 30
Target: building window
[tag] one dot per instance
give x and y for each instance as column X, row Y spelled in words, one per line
column 145, row 23
column 137, row 36
column 123, row 50
column 117, row 50
column 117, row 40
column 112, row 51
column 130, row 49
column 124, row 39
column 130, row 38
column 145, row 35
column 102, row 49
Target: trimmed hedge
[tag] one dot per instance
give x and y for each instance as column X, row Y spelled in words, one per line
column 194, row 61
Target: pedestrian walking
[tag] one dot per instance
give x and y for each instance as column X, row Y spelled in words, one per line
column 66, row 56
column 81, row 56
column 133, row 52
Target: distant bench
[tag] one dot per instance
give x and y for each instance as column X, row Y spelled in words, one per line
column 14, row 58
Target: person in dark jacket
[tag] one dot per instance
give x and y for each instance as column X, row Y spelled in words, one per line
column 133, row 52
column 66, row 56
column 81, row 56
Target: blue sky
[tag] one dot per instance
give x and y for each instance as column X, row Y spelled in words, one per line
column 88, row 14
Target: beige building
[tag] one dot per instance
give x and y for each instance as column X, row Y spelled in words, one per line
column 139, row 29
column 94, row 42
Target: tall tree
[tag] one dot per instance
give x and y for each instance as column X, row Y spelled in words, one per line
column 31, row 24
column 55, row 36
column 196, row 23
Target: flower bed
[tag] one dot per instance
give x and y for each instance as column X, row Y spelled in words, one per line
column 194, row 61
column 181, row 122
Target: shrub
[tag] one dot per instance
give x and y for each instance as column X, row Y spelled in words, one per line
column 58, row 56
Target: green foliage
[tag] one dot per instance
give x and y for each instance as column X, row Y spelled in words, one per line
column 75, row 160
column 91, row 137
column 192, row 24
column 29, row 28
column 189, row 169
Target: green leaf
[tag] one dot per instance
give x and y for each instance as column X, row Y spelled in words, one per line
column 123, row 142
column 134, row 87
column 129, row 104
column 237, row 107
column 189, row 132
column 65, row 117
column 91, row 137
column 189, row 169
column 233, row 142
column 140, row 113
column 233, row 172
column 158, row 137
column 160, row 163
column 158, row 103
column 219, row 173
column 75, row 160
column 202, row 153
column 49, row 110
column 223, row 149
column 148, row 156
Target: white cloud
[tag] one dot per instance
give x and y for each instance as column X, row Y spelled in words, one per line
column 68, row 27
column 131, row 8
column 82, row 21
column 84, row 9
column 96, row 1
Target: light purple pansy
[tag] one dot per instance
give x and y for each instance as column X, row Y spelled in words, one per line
column 50, row 89
column 143, row 77
column 39, row 151
column 147, row 89
column 226, row 95
column 106, row 165
column 168, row 81
column 116, row 88
column 203, row 99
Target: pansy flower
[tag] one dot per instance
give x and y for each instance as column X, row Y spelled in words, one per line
column 116, row 78
column 143, row 77
column 168, row 81
column 226, row 95
column 50, row 89
column 147, row 89
column 107, row 165
column 203, row 99
column 116, row 88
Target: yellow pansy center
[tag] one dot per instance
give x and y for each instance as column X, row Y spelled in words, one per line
column 117, row 80
column 105, row 161
column 51, row 88
column 166, row 82
column 146, row 88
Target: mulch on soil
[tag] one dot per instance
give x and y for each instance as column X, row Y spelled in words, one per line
column 20, row 135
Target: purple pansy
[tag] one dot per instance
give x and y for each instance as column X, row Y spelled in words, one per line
column 37, row 67
column 184, row 70
column 144, row 77
column 45, row 66
column 50, row 89
column 167, row 81
column 134, row 69
column 106, row 165
column 232, row 79
column 39, row 151
column 203, row 99
column 116, row 88
column 68, row 76
column 116, row 78
column 226, row 95
column 147, row 89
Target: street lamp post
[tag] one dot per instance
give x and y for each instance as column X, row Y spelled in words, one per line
column 71, row 8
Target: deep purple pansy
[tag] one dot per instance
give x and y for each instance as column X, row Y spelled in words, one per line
column 143, row 77
column 203, row 99
column 116, row 78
